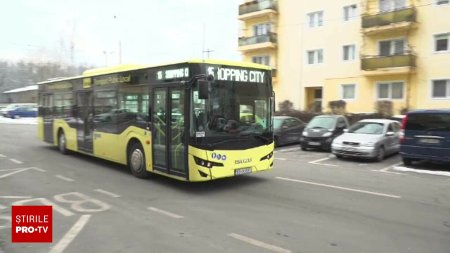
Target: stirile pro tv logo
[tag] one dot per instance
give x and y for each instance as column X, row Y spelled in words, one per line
column 31, row 224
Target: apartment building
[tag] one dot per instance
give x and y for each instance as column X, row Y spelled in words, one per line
column 359, row 51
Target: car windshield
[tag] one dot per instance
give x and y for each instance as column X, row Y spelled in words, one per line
column 231, row 109
column 367, row 128
column 277, row 123
column 322, row 122
column 429, row 122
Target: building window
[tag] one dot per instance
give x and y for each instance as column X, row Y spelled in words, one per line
column 440, row 2
column 392, row 90
column 265, row 60
column 350, row 12
column 315, row 56
column 392, row 47
column 391, row 5
column 441, row 88
column 348, row 91
column 349, row 52
column 441, row 42
column 315, row 19
column 261, row 29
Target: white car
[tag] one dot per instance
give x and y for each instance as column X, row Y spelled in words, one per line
column 369, row 138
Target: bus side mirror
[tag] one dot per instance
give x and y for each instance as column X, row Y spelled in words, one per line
column 203, row 86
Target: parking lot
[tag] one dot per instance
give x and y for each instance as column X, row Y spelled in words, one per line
column 310, row 202
column 390, row 165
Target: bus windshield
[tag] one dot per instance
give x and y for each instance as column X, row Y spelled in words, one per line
column 232, row 109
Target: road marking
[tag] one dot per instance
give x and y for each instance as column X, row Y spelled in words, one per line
column 38, row 169
column 2, row 156
column 107, row 193
column 15, row 197
column 340, row 188
column 154, row 209
column 288, row 149
column 258, row 243
column 71, row 234
column 385, row 169
column 437, row 173
column 322, row 159
column 2, row 207
column 281, row 159
column 17, row 171
column 16, row 161
column 64, row 178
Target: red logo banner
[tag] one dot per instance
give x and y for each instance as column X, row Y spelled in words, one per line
column 31, row 224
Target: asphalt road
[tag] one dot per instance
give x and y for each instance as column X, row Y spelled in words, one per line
column 310, row 202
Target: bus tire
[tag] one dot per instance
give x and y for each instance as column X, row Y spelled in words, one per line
column 62, row 143
column 136, row 160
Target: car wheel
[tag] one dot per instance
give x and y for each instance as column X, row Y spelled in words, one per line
column 380, row 155
column 136, row 161
column 62, row 145
column 339, row 156
column 16, row 117
column 407, row 161
column 303, row 147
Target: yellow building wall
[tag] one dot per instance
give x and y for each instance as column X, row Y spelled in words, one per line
column 295, row 37
column 295, row 76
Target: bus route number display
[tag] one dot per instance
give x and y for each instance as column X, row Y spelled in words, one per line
column 236, row 75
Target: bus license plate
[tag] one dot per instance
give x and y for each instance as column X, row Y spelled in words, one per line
column 242, row 171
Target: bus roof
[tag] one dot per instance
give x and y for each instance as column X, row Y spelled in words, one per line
column 128, row 67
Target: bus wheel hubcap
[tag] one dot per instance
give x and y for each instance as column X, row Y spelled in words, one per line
column 137, row 159
column 62, row 142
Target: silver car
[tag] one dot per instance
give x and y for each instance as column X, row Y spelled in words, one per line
column 369, row 138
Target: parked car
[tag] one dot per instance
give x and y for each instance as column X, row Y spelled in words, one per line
column 321, row 131
column 287, row 130
column 368, row 138
column 15, row 111
column 425, row 136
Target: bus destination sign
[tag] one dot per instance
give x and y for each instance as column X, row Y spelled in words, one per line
column 236, row 75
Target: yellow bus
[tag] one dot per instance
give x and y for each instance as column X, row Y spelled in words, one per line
column 193, row 121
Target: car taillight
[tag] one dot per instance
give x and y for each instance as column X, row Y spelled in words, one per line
column 402, row 131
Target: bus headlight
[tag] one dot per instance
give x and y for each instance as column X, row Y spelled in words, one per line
column 205, row 163
column 267, row 157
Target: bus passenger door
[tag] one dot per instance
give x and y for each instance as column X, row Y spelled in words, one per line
column 169, row 148
column 85, row 121
column 47, row 115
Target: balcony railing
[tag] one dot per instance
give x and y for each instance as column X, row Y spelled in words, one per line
column 387, row 18
column 257, row 6
column 391, row 61
column 245, row 41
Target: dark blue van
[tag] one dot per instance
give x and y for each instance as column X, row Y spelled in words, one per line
column 426, row 136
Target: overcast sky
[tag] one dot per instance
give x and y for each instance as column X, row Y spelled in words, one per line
column 149, row 31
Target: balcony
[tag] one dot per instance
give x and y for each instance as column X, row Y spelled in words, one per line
column 257, row 9
column 389, row 21
column 392, row 64
column 266, row 41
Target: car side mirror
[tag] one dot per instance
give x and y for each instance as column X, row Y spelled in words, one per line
column 203, row 86
column 390, row 133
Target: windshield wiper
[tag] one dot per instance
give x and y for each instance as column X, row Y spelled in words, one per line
column 258, row 136
column 211, row 145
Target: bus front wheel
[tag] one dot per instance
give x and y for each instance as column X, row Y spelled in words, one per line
column 136, row 161
column 62, row 145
